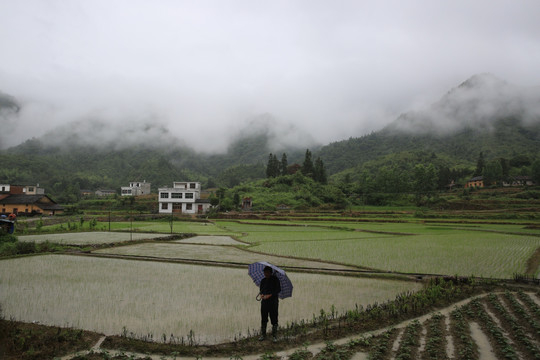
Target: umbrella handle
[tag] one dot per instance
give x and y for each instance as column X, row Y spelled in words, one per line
column 258, row 297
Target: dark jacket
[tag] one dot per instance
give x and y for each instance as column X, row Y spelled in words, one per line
column 270, row 286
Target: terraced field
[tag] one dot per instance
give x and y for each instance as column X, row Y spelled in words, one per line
column 348, row 300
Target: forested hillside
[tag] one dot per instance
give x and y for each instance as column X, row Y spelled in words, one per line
column 508, row 138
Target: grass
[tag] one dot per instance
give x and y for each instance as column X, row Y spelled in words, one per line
column 109, row 295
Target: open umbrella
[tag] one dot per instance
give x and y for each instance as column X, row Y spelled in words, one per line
column 256, row 271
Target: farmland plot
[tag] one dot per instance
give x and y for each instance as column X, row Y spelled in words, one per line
column 217, row 304
column 499, row 251
column 211, row 240
column 282, row 233
column 480, row 254
column 420, row 227
column 200, row 228
column 86, row 238
column 212, row 253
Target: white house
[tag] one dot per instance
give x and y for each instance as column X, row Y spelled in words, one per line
column 136, row 188
column 182, row 198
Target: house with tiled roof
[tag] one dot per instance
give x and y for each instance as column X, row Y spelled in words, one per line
column 477, row 181
column 19, row 204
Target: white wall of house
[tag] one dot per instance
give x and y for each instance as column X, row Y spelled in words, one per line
column 181, row 198
column 4, row 187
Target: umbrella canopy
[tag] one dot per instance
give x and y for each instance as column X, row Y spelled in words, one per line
column 256, row 271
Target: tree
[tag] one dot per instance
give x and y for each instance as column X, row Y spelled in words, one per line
column 210, row 183
column 284, row 164
column 221, row 193
column 424, row 179
column 505, row 165
column 214, row 200
column 319, row 172
column 520, row 161
column 236, row 199
column 444, row 178
column 480, row 164
column 535, row 171
column 272, row 168
column 307, row 166
column 492, row 173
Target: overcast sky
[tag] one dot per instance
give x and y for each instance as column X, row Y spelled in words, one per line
column 202, row 69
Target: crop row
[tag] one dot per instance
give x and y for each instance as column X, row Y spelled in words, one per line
column 512, row 326
column 509, row 321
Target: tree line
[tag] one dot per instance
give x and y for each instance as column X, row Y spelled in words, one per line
column 315, row 170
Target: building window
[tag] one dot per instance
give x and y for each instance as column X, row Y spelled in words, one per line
column 176, row 195
column 189, row 206
column 192, row 186
column 164, row 195
column 164, row 206
column 189, row 195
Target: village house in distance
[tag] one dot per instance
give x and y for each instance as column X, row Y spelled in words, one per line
column 182, row 198
column 28, row 200
column 136, row 188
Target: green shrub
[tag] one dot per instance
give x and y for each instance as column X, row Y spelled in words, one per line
column 7, row 238
column 25, row 247
column 8, row 249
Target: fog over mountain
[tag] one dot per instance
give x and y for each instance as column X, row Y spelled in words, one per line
column 198, row 73
column 476, row 103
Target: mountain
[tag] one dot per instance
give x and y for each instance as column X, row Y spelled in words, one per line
column 483, row 114
column 8, row 103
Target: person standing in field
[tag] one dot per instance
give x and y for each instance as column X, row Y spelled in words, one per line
column 268, row 291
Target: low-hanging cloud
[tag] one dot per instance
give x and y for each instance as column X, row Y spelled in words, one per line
column 197, row 72
column 476, row 103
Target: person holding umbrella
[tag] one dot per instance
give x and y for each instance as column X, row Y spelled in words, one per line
column 274, row 284
column 269, row 290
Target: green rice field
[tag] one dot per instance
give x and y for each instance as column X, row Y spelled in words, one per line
column 115, row 296
column 487, row 250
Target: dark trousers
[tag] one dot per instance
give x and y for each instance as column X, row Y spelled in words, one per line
column 269, row 307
